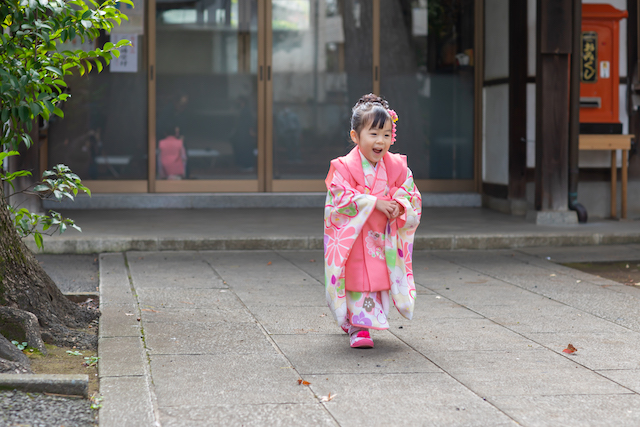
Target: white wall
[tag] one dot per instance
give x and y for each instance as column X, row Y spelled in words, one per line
column 495, row 138
column 495, row 152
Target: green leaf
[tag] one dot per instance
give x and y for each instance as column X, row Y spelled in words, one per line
column 38, row 238
column 54, row 70
column 5, row 154
column 58, row 112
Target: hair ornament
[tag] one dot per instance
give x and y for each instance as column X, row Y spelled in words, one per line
column 394, row 119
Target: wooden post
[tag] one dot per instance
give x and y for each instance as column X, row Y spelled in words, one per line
column 517, row 100
column 554, row 47
column 614, row 185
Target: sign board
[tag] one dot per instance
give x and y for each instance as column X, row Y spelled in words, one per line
column 589, row 57
column 127, row 62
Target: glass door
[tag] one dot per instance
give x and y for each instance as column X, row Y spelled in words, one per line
column 427, row 75
column 207, row 136
column 321, row 60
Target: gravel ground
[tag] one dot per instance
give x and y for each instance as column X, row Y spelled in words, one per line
column 72, row 273
column 39, row 410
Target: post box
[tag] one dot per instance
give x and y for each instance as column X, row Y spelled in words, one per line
column 599, row 74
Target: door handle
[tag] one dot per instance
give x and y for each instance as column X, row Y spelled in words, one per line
column 261, row 73
column 269, row 72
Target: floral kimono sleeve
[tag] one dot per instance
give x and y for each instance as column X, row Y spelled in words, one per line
column 399, row 247
column 346, row 211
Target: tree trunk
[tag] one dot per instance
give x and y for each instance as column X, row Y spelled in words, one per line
column 25, row 286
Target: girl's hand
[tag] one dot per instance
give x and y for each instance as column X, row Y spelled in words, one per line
column 386, row 207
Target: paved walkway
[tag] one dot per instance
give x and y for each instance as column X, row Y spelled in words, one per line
column 121, row 230
column 200, row 338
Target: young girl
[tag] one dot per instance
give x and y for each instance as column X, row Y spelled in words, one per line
column 372, row 211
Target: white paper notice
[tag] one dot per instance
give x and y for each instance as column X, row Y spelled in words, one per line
column 128, row 60
column 605, row 71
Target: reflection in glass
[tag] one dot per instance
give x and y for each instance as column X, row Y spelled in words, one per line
column 427, row 74
column 206, row 120
column 322, row 62
column 103, row 135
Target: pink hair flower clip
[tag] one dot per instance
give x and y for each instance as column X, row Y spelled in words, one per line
column 394, row 119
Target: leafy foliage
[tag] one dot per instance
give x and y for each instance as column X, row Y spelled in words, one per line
column 32, row 71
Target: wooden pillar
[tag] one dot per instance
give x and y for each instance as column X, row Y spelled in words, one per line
column 517, row 99
column 554, row 29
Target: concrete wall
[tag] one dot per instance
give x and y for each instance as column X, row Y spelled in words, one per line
column 495, row 140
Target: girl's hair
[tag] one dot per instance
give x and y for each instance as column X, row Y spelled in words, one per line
column 370, row 108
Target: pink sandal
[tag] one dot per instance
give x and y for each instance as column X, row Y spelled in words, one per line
column 361, row 339
column 345, row 326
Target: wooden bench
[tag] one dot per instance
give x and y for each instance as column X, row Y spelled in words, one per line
column 612, row 143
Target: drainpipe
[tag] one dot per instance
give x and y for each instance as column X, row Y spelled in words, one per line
column 574, row 114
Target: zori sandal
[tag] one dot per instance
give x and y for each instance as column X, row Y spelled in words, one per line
column 361, row 339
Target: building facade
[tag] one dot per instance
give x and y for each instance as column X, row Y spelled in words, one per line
column 255, row 96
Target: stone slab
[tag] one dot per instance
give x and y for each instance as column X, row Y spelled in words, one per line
column 433, row 399
column 460, row 334
column 620, row 410
column 331, row 354
column 311, row 262
column 548, row 381
column 206, row 338
column 248, row 269
column 72, row 385
column 586, row 253
column 119, row 321
column 296, row 320
column 126, row 402
column 114, row 280
column 284, row 415
column 196, row 315
column 169, row 269
column 121, row 357
column 165, row 298
column 629, row 378
column 532, row 359
column 296, row 295
column 227, row 379
column 604, row 350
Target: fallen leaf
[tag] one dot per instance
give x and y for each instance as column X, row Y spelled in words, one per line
column 570, row 349
column 312, row 260
column 269, row 263
column 148, row 309
column 327, row 398
column 303, row 382
column 323, row 315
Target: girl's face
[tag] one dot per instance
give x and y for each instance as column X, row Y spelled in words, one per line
column 373, row 142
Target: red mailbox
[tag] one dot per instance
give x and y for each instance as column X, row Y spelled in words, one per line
column 599, row 74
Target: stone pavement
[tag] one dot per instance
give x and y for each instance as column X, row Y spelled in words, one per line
column 200, row 338
column 120, row 230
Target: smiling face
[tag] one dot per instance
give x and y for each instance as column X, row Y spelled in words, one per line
column 372, row 141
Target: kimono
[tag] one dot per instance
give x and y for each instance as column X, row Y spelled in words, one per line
column 377, row 251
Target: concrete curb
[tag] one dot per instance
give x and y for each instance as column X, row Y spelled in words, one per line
column 72, row 385
column 80, row 245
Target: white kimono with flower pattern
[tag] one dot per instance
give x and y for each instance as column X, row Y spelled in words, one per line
column 346, row 211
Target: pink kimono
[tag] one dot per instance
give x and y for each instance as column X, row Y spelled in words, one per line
column 172, row 157
column 368, row 257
